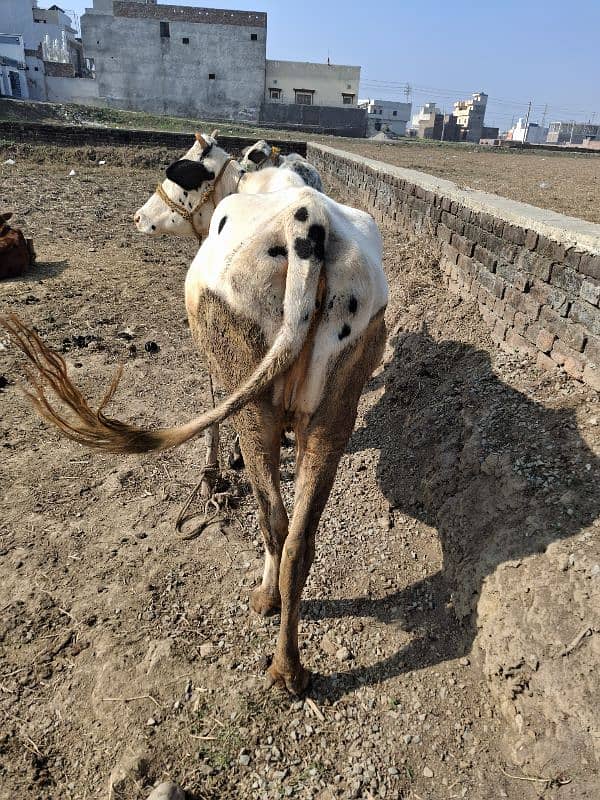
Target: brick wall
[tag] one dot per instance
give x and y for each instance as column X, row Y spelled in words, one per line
column 57, row 70
column 75, row 136
column 208, row 16
column 534, row 273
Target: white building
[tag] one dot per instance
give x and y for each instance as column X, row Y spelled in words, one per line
column 530, row 132
column 386, row 115
column 13, row 70
column 38, row 25
column 470, row 115
column 307, row 83
column 424, row 114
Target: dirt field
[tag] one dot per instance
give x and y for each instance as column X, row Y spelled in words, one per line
column 455, row 559
column 565, row 182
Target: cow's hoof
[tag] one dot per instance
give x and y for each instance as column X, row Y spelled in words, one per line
column 295, row 682
column 264, row 603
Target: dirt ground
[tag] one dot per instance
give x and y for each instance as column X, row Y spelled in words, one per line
column 565, row 182
column 457, row 559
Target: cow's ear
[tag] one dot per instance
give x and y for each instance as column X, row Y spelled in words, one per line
column 189, row 174
column 257, row 156
column 6, row 216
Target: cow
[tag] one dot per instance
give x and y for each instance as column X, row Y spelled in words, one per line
column 170, row 210
column 286, row 298
column 262, row 154
column 16, row 252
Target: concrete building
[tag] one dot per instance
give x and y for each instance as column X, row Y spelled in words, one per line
column 387, row 116
column 307, row 83
column 51, row 27
column 572, row 132
column 13, row 69
column 529, row 132
column 470, row 116
column 423, row 114
column 181, row 60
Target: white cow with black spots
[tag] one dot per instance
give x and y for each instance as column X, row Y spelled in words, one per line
column 286, row 297
column 262, row 155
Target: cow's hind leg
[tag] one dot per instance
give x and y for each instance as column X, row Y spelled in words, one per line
column 320, row 441
column 260, row 437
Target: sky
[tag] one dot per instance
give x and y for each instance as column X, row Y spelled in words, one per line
column 544, row 51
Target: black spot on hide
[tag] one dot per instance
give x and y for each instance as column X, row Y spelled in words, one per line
column 316, row 233
column 303, row 247
column 277, row 250
column 346, row 330
column 353, row 305
column 188, row 174
column 222, row 222
column 301, row 214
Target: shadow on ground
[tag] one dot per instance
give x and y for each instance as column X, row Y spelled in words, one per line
column 498, row 475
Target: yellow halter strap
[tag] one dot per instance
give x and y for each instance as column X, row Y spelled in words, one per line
column 183, row 212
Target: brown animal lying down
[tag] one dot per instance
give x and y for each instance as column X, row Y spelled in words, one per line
column 16, row 252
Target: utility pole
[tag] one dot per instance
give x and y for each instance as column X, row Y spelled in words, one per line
column 527, row 123
column 572, row 130
column 443, row 123
column 544, row 115
column 407, row 91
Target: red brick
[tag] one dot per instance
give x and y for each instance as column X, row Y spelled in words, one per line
column 591, row 376
column 545, row 340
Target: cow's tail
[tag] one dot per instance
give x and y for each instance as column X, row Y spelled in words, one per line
column 306, row 230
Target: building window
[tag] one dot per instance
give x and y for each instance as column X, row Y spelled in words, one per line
column 185, row 40
column 254, row 37
column 35, row 69
column 347, row 99
column 274, row 94
column 164, row 30
column 304, row 97
column 211, row 76
column 394, row 113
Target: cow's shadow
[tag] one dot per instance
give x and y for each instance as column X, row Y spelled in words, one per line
column 499, row 476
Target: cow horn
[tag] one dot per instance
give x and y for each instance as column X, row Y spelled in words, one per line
column 215, row 133
column 201, row 139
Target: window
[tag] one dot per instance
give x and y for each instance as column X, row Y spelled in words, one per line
column 35, row 69
column 274, row 94
column 164, row 30
column 185, row 40
column 347, row 99
column 394, row 113
column 304, row 97
column 254, row 37
column 211, row 76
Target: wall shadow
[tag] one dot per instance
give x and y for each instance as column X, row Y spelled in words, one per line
column 497, row 474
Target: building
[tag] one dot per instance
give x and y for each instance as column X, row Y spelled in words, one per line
column 13, row 69
column 425, row 113
column 572, row 132
column 306, row 83
column 179, row 60
column 529, row 132
column 309, row 96
column 46, row 34
column 470, row 116
column 386, row 115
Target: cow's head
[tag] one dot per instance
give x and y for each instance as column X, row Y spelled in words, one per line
column 256, row 156
column 187, row 191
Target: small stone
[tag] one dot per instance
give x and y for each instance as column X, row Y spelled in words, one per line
column 427, row 773
column 166, row 791
column 327, row 646
column 407, row 738
column 464, row 662
column 343, row 654
column 385, row 522
column 151, row 721
column 244, row 760
column 206, row 649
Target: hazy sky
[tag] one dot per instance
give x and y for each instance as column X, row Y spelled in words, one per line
column 547, row 51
